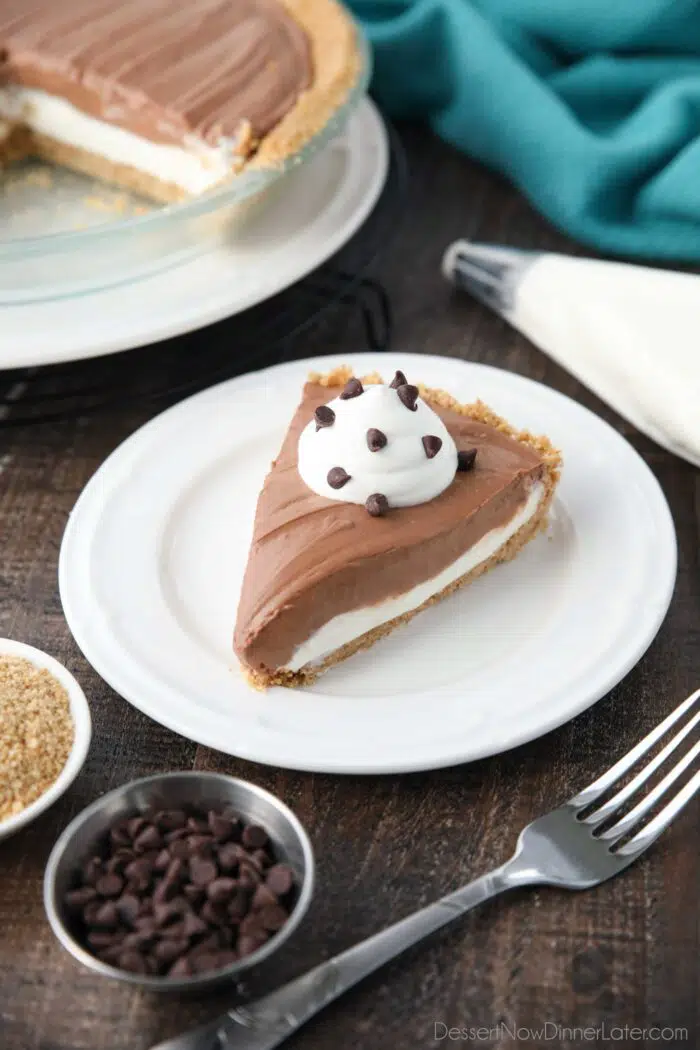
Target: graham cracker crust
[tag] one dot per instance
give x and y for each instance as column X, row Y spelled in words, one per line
column 481, row 413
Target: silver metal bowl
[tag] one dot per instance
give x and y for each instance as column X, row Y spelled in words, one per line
column 169, row 791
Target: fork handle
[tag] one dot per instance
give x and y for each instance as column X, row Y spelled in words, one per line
column 267, row 1022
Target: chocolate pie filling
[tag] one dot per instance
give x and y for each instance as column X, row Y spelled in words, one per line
column 163, row 70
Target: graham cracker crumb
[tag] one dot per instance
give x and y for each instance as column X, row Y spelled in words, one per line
column 36, row 733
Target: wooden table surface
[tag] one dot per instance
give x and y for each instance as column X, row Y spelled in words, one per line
column 625, row 954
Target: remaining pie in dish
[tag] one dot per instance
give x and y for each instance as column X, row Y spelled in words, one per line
column 170, row 99
column 383, row 499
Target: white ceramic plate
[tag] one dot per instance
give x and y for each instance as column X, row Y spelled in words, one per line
column 313, row 212
column 154, row 552
column 82, row 727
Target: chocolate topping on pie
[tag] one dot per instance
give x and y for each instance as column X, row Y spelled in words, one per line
column 398, row 380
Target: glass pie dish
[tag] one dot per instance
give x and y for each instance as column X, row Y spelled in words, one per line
column 64, row 234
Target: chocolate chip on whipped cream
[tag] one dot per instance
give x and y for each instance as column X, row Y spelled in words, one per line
column 376, row 439
column 432, row 445
column 325, row 417
column 398, row 380
column 353, row 388
column 377, row 505
column 384, row 450
column 337, row 477
column 408, row 395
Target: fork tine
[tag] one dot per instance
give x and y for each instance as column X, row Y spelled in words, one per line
column 613, row 804
column 649, row 801
column 661, row 821
column 591, row 793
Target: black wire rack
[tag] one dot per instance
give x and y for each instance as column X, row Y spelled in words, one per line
column 267, row 334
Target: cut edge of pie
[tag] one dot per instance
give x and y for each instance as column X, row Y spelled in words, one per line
column 479, row 412
column 337, row 66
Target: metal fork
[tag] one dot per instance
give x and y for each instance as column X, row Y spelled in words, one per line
column 570, row 847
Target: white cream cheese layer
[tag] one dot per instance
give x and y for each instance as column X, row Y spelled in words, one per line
column 194, row 169
column 348, row 626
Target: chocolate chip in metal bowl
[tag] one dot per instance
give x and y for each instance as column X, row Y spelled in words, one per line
column 179, row 880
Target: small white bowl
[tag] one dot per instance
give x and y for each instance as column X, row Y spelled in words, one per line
column 82, row 732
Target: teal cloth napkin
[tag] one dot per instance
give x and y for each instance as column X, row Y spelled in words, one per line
column 591, row 107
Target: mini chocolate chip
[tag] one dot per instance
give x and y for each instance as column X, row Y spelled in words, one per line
column 250, row 942
column 146, row 925
column 116, row 865
column 198, row 824
column 107, row 915
column 128, row 907
column 248, row 877
column 465, row 460
column 262, row 857
column 181, row 968
column 353, row 388
column 147, row 839
column 132, row 961
column 90, row 911
column 226, row 958
column 280, row 879
column 324, row 416
column 110, row 953
column 336, row 478
column 135, row 825
column 194, row 894
column 432, row 445
column 238, row 905
column 92, row 871
column 193, row 926
column 398, row 380
column 229, row 856
column 198, row 843
column 262, row 897
column 377, row 505
column 180, row 848
column 408, row 396
column 215, row 914
column 75, row 900
column 139, row 869
column 255, row 837
column 109, row 885
column 273, row 917
column 163, row 861
column 220, row 827
column 205, row 962
column 376, row 439
column 202, row 871
column 171, row 819
column 101, row 939
column 119, row 834
column 252, row 923
column 175, row 834
column 211, row 943
column 164, row 891
column 221, row 889
column 175, row 870
column 167, row 913
column 168, row 950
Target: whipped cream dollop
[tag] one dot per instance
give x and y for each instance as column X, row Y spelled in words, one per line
column 379, row 445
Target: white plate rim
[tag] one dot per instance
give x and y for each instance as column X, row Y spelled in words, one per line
column 604, row 682
column 366, row 137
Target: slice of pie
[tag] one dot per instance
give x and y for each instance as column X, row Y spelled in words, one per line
column 383, row 500
column 170, row 99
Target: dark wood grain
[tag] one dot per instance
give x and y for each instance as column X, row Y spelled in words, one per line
column 624, row 954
